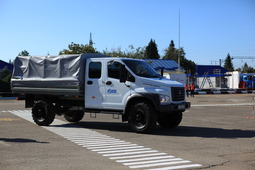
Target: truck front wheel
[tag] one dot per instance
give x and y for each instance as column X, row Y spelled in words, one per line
column 170, row 120
column 142, row 117
column 74, row 116
column 42, row 113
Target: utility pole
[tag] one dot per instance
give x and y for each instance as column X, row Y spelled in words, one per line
column 179, row 51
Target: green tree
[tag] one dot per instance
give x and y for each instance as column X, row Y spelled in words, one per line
column 4, row 73
column 247, row 69
column 24, row 53
column 171, row 53
column 114, row 52
column 228, row 63
column 5, row 78
column 131, row 52
column 151, row 50
column 74, row 48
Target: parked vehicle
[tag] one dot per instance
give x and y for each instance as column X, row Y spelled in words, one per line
column 240, row 80
column 247, row 81
column 70, row 85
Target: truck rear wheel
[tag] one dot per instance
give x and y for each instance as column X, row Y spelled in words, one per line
column 170, row 120
column 74, row 116
column 42, row 113
column 142, row 117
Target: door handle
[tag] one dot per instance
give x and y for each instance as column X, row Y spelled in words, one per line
column 89, row 82
column 108, row 83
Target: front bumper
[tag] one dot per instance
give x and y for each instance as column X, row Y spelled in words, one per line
column 174, row 107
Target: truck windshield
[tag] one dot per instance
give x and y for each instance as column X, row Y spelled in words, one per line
column 142, row 68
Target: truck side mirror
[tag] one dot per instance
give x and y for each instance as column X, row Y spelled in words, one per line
column 123, row 73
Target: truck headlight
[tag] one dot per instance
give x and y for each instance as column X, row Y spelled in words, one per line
column 164, row 99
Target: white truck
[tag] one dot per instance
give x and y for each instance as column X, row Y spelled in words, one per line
column 71, row 85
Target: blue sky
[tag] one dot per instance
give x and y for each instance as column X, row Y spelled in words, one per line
column 210, row 29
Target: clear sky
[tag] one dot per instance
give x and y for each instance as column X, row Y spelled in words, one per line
column 210, row 29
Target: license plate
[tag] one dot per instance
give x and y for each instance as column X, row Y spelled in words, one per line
column 181, row 106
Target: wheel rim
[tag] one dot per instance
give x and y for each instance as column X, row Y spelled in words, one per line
column 40, row 114
column 139, row 119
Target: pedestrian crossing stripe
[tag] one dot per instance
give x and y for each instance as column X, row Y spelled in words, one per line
column 129, row 154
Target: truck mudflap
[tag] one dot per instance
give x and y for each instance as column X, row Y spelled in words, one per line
column 174, row 107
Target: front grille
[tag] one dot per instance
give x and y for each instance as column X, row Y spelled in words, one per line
column 178, row 93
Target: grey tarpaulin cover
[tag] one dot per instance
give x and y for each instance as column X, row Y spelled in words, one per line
column 62, row 74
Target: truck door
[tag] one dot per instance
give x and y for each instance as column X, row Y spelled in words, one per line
column 94, row 88
column 116, row 93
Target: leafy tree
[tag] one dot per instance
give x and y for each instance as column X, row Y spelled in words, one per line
column 114, row 52
column 172, row 53
column 4, row 73
column 74, row 48
column 151, row 51
column 24, row 53
column 228, row 63
column 135, row 52
column 247, row 69
column 132, row 52
column 5, row 78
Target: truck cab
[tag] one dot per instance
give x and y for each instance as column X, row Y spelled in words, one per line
column 129, row 84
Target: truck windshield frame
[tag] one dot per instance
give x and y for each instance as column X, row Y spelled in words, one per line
column 142, row 68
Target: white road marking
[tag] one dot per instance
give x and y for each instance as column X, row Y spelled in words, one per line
column 128, row 150
column 236, row 104
column 154, row 161
column 143, row 159
column 137, row 156
column 131, row 147
column 178, row 167
column 127, row 153
column 159, row 164
column 100, row 147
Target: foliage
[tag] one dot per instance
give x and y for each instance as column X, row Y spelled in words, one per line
column 74, row 48
column 228, row 63
column 5, row 78
column 151, row 50
column 171, row 53
column 24, row 53
column 246, row 69
column 132, row 52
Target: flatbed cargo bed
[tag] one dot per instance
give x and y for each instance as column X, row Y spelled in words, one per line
column 52, row 75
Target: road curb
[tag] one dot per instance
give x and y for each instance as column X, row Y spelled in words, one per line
column 223, row 91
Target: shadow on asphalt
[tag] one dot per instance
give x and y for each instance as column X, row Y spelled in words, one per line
column 180, row 131
column 20, row 140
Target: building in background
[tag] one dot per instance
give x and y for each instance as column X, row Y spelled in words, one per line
column 168, row 68
column 211, row 76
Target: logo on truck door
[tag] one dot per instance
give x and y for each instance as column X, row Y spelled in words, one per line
column 111, row 91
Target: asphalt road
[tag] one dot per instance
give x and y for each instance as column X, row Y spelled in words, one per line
column 218, row 132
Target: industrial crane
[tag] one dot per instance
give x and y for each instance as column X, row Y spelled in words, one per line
column 243, row 57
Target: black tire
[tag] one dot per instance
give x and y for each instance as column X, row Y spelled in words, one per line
column 142, row 117
column 42, row 113
column 74, row 116
column 170, row 120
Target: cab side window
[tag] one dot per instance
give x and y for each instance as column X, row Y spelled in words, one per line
column 95, row 69
column 114, row 70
